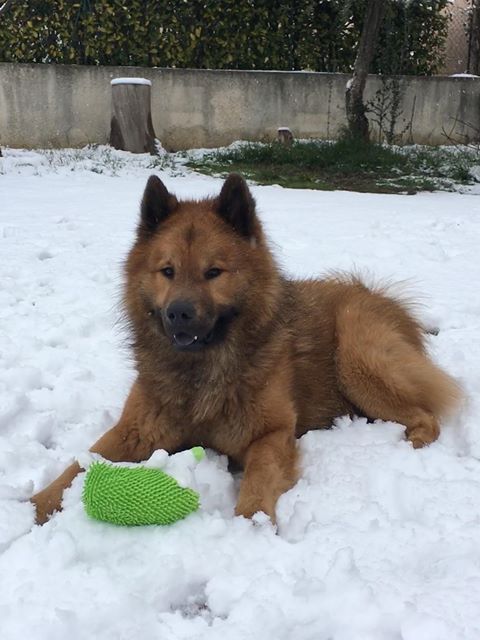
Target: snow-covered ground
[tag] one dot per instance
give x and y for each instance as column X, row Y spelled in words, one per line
column 376, row 541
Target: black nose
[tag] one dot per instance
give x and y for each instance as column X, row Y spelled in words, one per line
column 180, row 313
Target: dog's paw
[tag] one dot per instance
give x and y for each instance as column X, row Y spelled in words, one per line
column 255, row 510
column 417, row 443
column 423, row 433
column 422, row 430
column 44, row 506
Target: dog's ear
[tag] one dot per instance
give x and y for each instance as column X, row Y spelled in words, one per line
column 236, row 205
column 157, row 204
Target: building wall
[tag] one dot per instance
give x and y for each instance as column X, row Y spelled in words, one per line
column 69, row 106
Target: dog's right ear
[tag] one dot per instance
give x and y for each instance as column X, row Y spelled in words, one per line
column 236, row 206
column 157, row 205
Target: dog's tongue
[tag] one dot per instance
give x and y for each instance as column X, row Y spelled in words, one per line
column 184, row 339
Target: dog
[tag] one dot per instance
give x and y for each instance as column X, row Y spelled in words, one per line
column 233, row 356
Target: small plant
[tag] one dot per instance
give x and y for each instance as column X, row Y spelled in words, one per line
column 105, row 159
column 386, row 111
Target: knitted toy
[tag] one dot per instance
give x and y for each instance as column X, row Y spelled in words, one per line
column 137, row 495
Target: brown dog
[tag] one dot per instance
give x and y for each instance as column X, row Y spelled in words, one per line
column 233, row 356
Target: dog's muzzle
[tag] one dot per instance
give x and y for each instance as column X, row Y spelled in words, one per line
column 188, row 332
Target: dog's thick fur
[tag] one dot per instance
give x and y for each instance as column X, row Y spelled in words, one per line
column 233, row 356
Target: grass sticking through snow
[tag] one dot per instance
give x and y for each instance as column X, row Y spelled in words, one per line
column 345, row 164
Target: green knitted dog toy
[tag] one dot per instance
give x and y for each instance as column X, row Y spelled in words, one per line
column 137, row 495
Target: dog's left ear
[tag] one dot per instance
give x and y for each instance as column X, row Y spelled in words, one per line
column 236, row 205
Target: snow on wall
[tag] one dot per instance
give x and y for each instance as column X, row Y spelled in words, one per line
column 143, row 81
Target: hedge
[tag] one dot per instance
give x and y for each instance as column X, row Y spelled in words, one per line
column 318, row 35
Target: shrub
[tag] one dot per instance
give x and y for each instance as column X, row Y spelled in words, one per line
column 319, row 35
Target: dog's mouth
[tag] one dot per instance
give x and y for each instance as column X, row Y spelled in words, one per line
column 186, row 340
column 196, row 341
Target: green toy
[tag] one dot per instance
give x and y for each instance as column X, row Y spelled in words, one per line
column 137, row 495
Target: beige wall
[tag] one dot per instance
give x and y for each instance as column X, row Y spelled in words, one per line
column 69, row 106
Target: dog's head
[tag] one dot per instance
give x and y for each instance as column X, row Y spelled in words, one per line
column 197, row 265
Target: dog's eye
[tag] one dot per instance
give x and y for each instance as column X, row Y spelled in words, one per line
column 212, row 273
column 168, row 272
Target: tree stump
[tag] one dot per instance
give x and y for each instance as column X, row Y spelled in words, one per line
column 285, row 136
column 131, row 127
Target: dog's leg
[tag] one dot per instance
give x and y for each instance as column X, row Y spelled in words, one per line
column 270, row 459
column 133, row 439
column 386, row 376
column 269, row 470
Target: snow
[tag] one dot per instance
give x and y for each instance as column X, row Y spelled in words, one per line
column 375, row 542
column 131, row 81
column 463, row 75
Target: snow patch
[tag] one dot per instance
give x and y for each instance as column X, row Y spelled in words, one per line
column 376, row 541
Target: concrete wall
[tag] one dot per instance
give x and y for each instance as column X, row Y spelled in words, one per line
column 69, row 106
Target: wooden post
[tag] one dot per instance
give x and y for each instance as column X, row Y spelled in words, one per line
column 131, row 127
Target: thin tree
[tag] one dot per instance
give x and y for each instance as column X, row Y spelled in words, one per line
column 473, row 64
column 355, row 107
column 3, row 7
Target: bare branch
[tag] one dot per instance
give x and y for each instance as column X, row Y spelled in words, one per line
column 466, row 144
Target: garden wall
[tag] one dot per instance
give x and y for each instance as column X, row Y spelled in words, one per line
column 47, row 105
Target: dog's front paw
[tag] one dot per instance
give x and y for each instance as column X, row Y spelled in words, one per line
column 248, row 507
column 45, row 504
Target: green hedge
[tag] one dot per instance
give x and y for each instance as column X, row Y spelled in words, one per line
column 318, row 35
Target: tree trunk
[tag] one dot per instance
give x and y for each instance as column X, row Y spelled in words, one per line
column 473, row 65
column 3, row 7
column 357, row 120
column 285, row 136
column 131, row 127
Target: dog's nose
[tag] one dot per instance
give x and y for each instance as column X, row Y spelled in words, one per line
column 180, row 313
